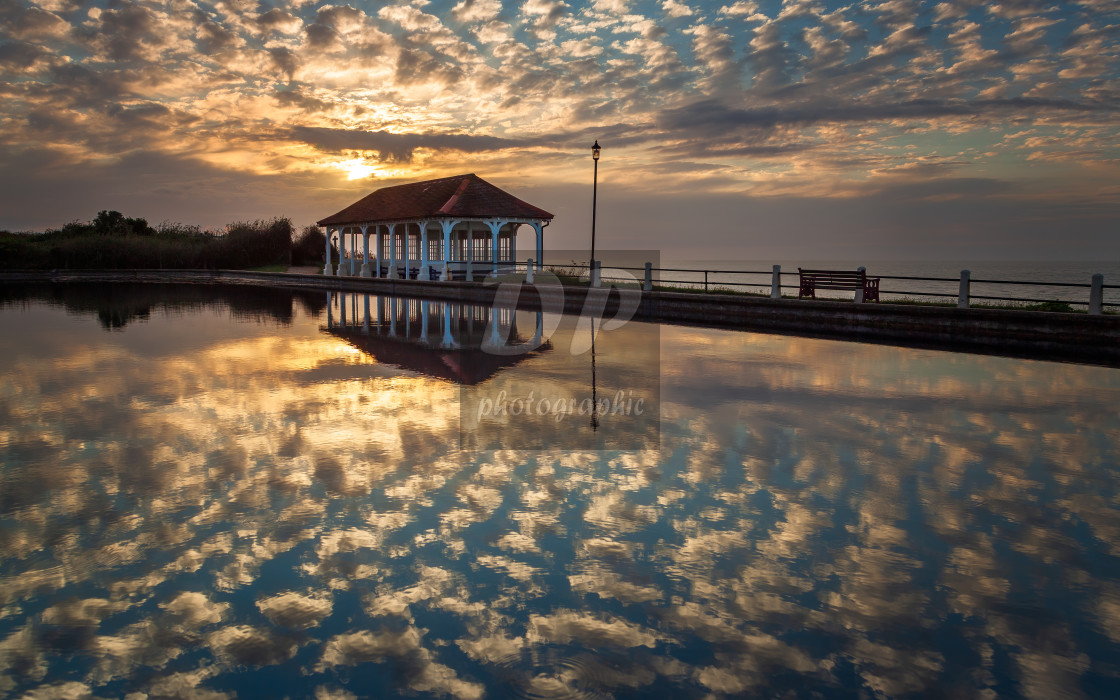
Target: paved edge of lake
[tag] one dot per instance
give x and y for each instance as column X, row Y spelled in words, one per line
column 1055, row 336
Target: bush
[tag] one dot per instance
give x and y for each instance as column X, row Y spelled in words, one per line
column 309, row 245
column 253, row 244
column 113, row 240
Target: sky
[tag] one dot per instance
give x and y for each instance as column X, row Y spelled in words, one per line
column 734, row 129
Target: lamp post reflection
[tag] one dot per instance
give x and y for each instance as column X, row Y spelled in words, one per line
column 594, row 386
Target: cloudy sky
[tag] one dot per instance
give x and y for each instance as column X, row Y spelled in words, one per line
column 747, row 129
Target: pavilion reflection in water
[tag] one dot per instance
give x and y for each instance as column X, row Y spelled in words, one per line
column 461, row 343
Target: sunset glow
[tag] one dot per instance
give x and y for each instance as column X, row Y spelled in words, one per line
column 988, row 125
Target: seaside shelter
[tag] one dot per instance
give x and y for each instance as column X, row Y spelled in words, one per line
column 452, row 228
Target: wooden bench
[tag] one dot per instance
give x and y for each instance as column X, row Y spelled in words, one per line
column 812, row 280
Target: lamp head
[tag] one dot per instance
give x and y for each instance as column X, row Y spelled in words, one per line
column 595, row 150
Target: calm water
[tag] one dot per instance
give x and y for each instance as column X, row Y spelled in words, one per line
column 245, row 493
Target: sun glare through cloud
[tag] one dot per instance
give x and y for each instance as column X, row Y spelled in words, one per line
column 357, row 169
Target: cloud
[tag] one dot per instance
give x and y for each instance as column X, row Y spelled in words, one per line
column 263, row 90
column 590, row 631
column 397, row 147
column 715, row 55
column 709, row 113
column 414, row 663
column 294, row 610
column 741, row 8
column 673, row 8
column 476, row 10
column 32, row 22
column 243, row 645
column 195, row 609
column 127, row 34
column 17, row 57
column 546, row 12
column 280, row 21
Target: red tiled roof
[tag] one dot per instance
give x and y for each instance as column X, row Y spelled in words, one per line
column 460, row 196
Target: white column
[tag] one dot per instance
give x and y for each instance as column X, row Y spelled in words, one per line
column 470, row 250
column 538, row 331
column 327, row 267
column 353, row 249
column 392, row 252
column 446, row 226
column 495, row 229
column 513, row 241
column 424, row 252
column 540, row 243
column 377, row 249
column 341, row 271
column 408, row 248
column 495, row 319
column 448, row 339
column 365, row 251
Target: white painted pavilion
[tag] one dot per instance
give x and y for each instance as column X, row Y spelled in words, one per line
column 451, row 228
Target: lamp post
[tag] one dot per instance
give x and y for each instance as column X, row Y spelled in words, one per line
column 594, row 283
column 594, row 200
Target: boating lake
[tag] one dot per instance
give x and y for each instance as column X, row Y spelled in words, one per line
column 244, row 492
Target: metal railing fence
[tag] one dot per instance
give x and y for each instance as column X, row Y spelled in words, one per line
column 760, row 282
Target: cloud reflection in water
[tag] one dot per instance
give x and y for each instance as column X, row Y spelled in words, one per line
column 264, row 510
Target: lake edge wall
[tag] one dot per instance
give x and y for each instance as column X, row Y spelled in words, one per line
column 1069, row 337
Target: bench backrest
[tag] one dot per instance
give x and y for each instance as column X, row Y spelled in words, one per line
column 835, row 279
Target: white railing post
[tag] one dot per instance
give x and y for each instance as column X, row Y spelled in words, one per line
column 529, row 271
column 965, row 289
column 595, row 279
column 1096, row 294
column 647, row 284
column 776, row 283
column 859, row 292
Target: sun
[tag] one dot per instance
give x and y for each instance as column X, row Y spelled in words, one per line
column 356, row 168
